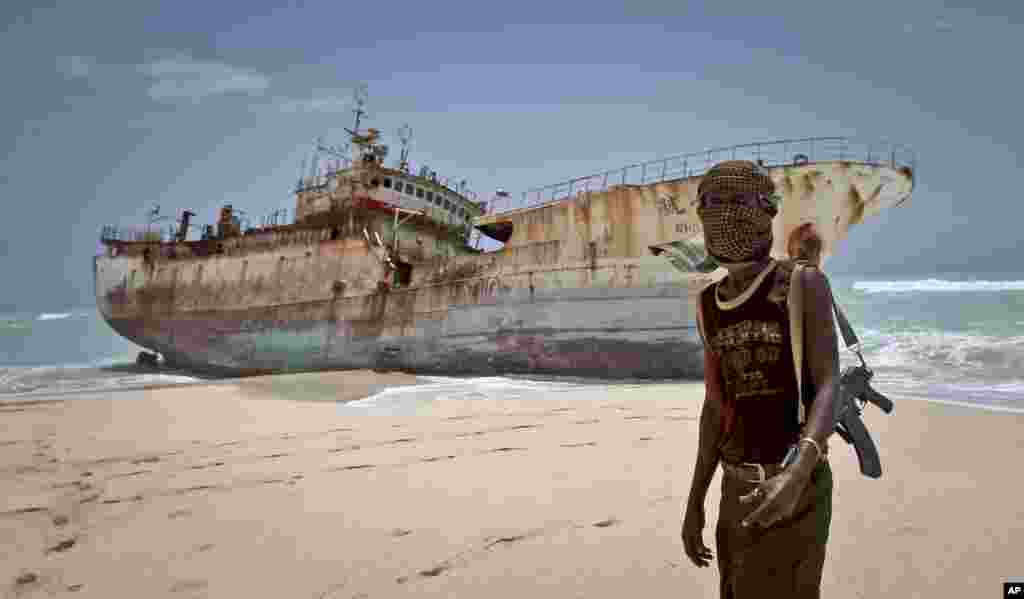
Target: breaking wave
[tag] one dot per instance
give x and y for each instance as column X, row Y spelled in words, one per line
column 936, row 285
column 108, row 374
column 945, row 365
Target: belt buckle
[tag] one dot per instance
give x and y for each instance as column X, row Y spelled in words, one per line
column 762, row 475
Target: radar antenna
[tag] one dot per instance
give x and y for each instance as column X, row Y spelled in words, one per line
column 360, row 96
column 302, row 173
column 339, row 152
column 314, row 166
column 405, row 135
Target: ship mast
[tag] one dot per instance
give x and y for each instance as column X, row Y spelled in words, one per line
column 357, row 141
column 404, row 135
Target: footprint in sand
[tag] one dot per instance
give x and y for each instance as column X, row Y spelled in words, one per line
column 438, row 458
column 149, row 460
column 134, row 498
column 519, row 427
column 191, row 489
column 402, row 440
column 606, row 523
column 130, row 474
column 400, row 532
column 62, row 546
column 24, row 510
column 188, row 585
column 354, row 467
column 505, row 540
column 435, row 571
column 202, row 466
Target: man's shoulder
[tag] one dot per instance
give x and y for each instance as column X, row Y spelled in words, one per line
column 781, row 280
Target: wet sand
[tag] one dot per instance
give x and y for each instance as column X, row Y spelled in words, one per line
column 225, row 491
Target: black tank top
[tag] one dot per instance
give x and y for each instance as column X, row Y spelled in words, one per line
column 751, row 339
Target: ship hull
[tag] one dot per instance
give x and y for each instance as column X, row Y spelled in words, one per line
column 623, row 333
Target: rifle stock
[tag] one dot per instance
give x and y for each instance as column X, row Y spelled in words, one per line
column 854, row 384
column 857, row 435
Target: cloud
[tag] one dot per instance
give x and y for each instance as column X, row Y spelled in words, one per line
column 75, row 67
column 322, row 104
column 182, row 78
column 940, row 25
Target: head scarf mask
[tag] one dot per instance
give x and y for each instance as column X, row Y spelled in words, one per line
column 736, row 232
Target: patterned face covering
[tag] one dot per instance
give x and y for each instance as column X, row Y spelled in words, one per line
column 736, row 208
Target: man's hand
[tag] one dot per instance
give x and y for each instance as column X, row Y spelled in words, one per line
column 693, row 537
column 779, row 496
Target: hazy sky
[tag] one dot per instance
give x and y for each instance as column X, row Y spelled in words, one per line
column 110, row 107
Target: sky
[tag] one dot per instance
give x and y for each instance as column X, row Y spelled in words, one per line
column 112, row 107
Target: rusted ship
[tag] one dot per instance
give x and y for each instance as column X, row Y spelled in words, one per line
column 381, row 267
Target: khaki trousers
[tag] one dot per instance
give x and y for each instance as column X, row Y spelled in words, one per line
column 784, row 560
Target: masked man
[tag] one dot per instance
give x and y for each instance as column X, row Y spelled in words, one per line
column 774, row 519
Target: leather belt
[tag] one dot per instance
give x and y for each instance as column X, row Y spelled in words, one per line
column 756, row 473
column 750, row 472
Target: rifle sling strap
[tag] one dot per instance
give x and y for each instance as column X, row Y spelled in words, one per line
column 795, row 303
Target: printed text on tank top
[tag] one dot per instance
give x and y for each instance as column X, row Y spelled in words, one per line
column 749, row 346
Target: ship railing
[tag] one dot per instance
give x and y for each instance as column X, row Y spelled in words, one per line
column 146, row 234
column 769, row 154
column 325, row 183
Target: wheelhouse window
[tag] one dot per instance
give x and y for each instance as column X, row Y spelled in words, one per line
column 447, row 204
column 408, row 188
column 419, row 193
column 387, row 183
column 430, row 197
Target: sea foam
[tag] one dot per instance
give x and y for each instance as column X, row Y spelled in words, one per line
column 936, row 285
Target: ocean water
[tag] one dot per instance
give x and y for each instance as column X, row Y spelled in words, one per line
column 946, row 339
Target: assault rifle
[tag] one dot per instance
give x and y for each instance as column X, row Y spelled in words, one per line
column 855, row 392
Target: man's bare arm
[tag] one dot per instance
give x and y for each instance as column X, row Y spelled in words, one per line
column 822, row 353
column 710, row 425
column 710, row 431
column 707, row 459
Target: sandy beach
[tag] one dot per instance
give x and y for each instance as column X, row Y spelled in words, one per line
column 225, row 490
